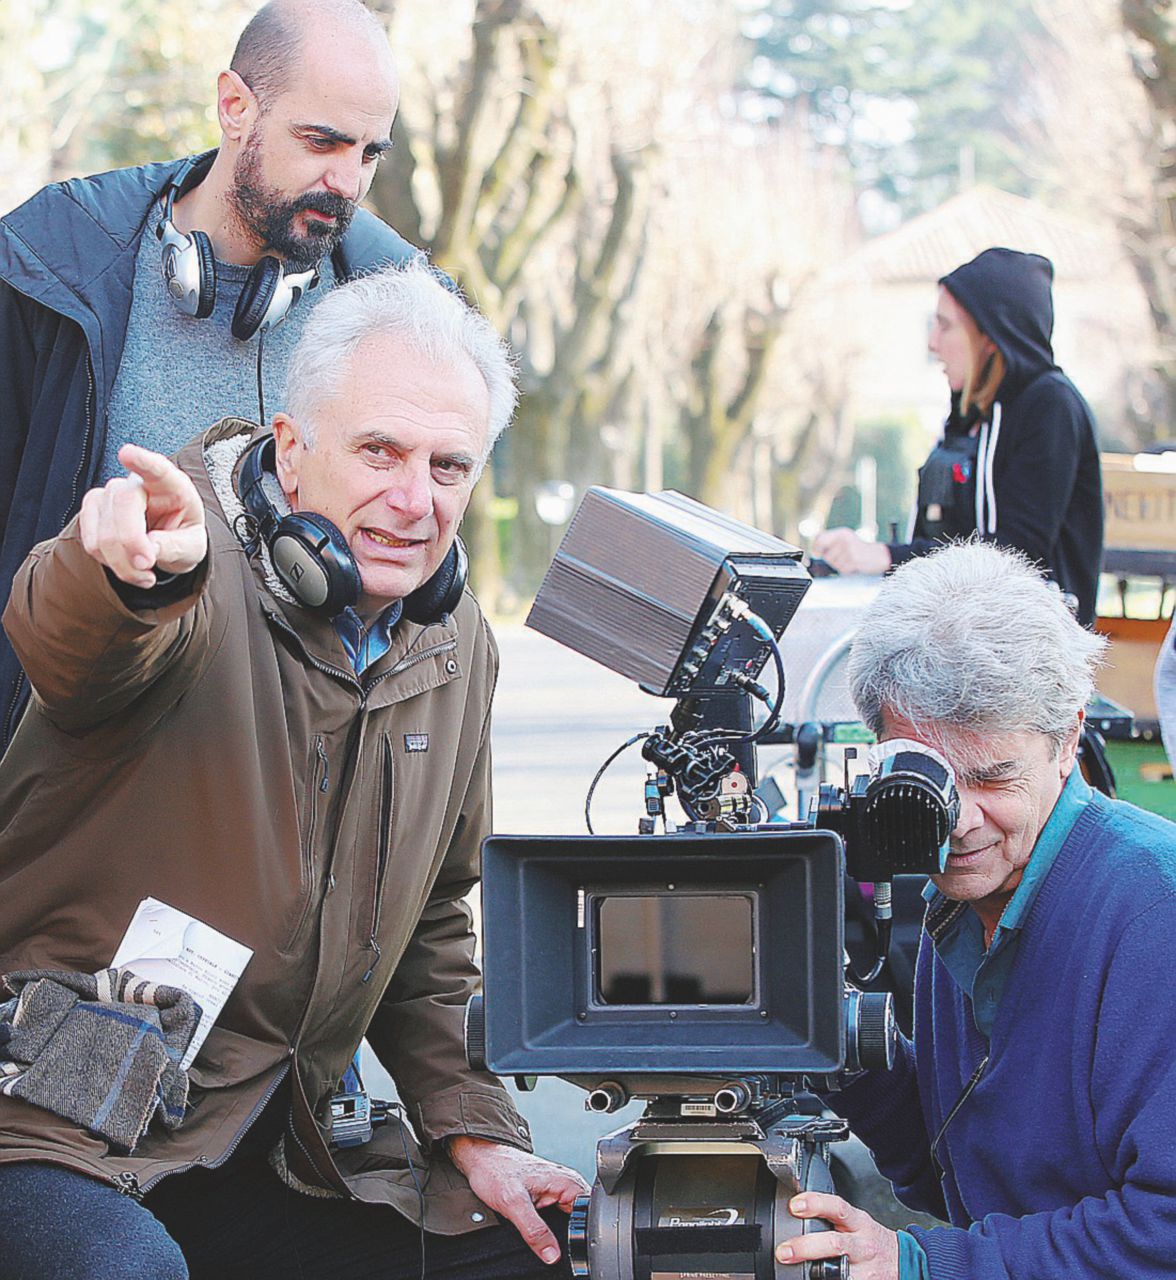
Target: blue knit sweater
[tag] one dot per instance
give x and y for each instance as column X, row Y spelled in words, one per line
column 1062, row 1161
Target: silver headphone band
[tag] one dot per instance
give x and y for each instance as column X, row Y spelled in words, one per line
column 181, row 268
column 288, row 290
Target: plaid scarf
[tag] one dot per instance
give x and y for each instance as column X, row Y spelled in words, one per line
column 100, row 1049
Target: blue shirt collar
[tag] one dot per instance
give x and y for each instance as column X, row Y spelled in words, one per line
column 981, row 974
column 366, row 645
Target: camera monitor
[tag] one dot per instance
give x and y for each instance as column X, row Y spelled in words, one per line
column 709, row 954
column 642, row 582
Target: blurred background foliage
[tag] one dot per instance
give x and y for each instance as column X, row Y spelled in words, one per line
column 660, row 202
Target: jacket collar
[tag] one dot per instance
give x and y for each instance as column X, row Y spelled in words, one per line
column 71, row 247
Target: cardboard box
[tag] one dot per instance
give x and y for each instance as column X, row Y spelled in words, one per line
column 1139, row 504
column 1130, row 663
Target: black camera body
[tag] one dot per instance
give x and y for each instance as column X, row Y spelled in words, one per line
column 705, row 973
column 703, row 969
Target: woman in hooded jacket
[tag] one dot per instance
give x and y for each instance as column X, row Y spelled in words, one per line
column 1018, row 462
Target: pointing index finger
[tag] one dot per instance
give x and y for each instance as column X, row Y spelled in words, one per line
column 147, row 465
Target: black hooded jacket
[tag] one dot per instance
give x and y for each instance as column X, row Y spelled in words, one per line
column 1030, row 477
column 67, row 267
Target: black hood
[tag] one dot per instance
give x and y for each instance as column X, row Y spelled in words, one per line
column 1008, row 294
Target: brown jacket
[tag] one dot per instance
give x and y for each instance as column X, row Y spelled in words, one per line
column 220, row 755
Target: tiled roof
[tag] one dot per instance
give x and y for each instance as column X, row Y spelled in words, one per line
column 934, row 243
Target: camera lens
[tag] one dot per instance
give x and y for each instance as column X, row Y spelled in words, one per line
column 870, row 1030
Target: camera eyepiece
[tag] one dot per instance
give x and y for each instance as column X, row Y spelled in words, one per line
column 899, row 817
column 911, row 805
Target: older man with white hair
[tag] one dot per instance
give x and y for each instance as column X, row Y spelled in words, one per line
column 262, row 699
column 1035, row 1109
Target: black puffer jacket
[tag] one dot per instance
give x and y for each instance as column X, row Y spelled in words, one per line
column 67, row 266
column 1035, row 483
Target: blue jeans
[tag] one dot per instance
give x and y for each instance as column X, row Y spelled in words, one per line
column 239, row 1222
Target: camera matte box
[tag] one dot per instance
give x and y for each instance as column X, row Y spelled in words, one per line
column 546, row 964
column 636, row 580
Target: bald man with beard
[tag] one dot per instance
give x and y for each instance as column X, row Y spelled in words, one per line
column 142, row 305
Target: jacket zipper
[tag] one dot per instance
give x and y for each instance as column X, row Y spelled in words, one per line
column 18, row 689
column 320, row 783
column 384, row 838
column 410, row 660
column 348, row 676
column 87, row 440
column 383, row 843
column 128, row 1183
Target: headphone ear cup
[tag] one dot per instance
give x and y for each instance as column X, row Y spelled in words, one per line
column 313, row 560
column 258, row 292
column 206, row 265
column 442, row 593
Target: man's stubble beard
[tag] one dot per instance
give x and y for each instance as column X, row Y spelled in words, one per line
column 268, row 217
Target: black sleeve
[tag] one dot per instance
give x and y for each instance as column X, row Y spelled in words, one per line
column 170, row 588
column 1038, row 459
column 901, row 552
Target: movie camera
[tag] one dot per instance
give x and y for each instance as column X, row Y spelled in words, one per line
column 700, row 968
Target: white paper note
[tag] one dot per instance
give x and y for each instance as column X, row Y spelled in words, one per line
column 164, row 945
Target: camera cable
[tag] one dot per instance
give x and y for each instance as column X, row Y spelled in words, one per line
column 637, row 737
column 419, row 1192
column 756, row 690
column 951, row 1115
column 260, row 392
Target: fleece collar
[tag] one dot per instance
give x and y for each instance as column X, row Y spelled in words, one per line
column 222, row 453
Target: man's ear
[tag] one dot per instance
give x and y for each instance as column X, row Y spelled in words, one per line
column 237, row 108
column 1069, row 751
column 288, row 453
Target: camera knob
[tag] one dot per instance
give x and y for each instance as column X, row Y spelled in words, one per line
column 578, row 1236
column 871, row 1032
column 877, row 1031
column 829, row 1269
column 475, row 1033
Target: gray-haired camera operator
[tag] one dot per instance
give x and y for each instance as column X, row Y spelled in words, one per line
column 260, row 748
column 1035, row 1109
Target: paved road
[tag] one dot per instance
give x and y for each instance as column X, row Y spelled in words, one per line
column 557, row 717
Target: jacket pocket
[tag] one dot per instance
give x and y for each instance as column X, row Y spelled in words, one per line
column 318, row 783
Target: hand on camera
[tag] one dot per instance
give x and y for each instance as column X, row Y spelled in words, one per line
column 150, row 520
column 847, row 552
column 871, row 1248
column 514, row 1184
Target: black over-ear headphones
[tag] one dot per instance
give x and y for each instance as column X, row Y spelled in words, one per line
column 314, row 562
column 189, row 270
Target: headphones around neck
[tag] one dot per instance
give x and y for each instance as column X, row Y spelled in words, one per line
column 313, row 561
column 189, row 270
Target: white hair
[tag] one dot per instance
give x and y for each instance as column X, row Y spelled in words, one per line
column 973, row 636
column 408, row 302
